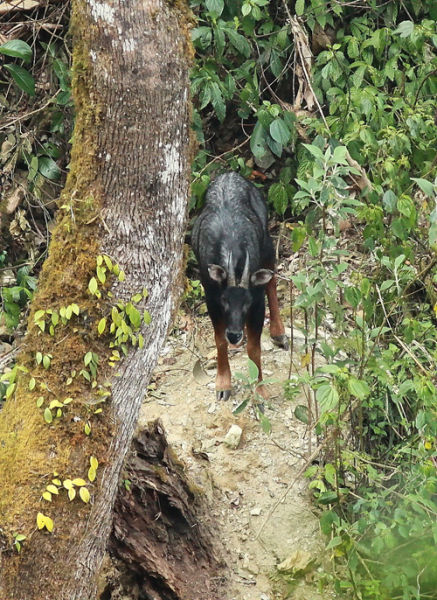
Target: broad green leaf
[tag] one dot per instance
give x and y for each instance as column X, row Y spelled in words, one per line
column 18, row 49
column 298, row 236
column 426, row 186
column 22, row 78
column 215, row 7
column 258, row 141
column 279, row 131
column 301, row 413
column 278, row 197
column 299, row 7
column 405, row 29
column 239, row 42
column 48, row 168
column 358, row 388
column 48, row 417
column 88, row 358
column 327, row 397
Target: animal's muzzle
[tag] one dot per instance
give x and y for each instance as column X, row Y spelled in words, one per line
column 234, row 337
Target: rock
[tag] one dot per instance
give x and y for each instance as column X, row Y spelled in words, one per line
column 298, row 562
column 255, row 512
column 233, row 437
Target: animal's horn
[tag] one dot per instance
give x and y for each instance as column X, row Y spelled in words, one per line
column 231, row 272
column 244, row 283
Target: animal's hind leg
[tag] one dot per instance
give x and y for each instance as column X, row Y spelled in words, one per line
column 277, row 331
column 223, row 380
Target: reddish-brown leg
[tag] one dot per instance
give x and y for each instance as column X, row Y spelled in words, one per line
column 223, row 379
column 254, row 353
column 277, row 331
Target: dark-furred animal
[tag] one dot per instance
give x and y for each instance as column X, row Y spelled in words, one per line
column 236, row 259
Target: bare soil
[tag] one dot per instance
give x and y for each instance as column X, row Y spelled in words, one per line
column 256, row 492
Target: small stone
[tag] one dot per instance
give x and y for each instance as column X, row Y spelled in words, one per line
column 255, row 512
column 233, row 437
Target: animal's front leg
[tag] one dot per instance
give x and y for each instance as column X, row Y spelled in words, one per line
column 277, row 331
column 254, row 353
column 223, row 380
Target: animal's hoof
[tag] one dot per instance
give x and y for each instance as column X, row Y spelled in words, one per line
column 223, row 394
column 281, row 341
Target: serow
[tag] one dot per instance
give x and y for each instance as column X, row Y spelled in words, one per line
column 236, row 260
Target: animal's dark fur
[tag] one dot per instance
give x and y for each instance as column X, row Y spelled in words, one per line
column 231, row 230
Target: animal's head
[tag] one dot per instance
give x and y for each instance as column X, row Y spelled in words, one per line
column 236, row 298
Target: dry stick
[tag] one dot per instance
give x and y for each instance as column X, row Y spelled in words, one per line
column 26, row 115
column 290, row 485
column 399, row 341
column 291, row 328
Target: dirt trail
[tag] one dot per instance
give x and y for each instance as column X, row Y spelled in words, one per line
column 242, row 485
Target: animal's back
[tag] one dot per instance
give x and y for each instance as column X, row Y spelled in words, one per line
column 233, row 219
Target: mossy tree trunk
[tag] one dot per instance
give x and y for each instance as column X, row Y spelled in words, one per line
column 125, row 198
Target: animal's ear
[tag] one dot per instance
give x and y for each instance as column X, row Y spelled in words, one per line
column 261, row 277
column 217, row 273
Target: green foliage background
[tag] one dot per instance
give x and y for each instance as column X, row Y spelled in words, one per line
column 331, row 108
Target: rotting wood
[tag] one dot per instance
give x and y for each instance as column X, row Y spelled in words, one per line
column 162, row 544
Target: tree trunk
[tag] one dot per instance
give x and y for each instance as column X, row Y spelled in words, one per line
column 125, row 197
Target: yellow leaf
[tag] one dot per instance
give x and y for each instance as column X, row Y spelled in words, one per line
column 78, row 481
column 48, row 523
column 305, row 359
column 57, row 482
column 84, row 494
column 72, row 494
column 68, row 484
column 91, row 474
column 53, row 489
column 40, row 520
column 94, row 462
column 47, row 496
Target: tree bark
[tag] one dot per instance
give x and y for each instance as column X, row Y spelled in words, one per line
column 162, row 544
column 125, row 197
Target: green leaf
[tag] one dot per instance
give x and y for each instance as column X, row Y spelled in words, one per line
column 258, row 141
column 253, row 370
column 101, row 326
column 92, row 285
column 88, row 358
column 279, row 131
column 298, row 236
column 405, row 29
column 239, row 42
column 215, row 7
column 22, row 78
column 278, row 197
column 314, row 150
column 48, row 417
column 358, row 388
column 46, row 361
column 327, row 397
column 426, row 186
column 301, row 413
column 48, row 168
column 18, row 49
column 299, row 7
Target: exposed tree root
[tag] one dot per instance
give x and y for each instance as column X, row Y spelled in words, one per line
column 162, row 546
